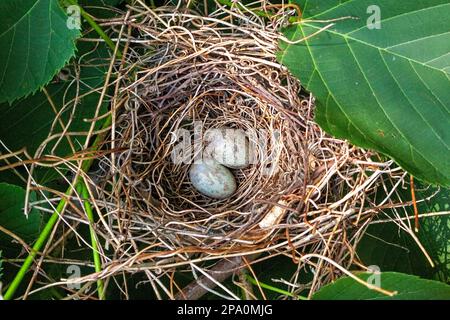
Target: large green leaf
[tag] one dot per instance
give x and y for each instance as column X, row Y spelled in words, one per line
column 392, row 249
column 12, row 216
column 35, row 43
column 407, row 287
column 385, row 89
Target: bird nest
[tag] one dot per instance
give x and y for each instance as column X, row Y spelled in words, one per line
column 305, row 195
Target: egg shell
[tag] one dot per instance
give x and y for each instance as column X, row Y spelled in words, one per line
column 229, row 147
column 212, row 179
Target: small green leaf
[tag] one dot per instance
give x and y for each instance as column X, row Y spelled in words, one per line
column 407, row 287
column 12, row 216
column 35, row 43
column 386, row 89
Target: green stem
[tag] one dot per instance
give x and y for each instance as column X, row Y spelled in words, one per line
column 274, row 289
column 95, row 252
column 37, row 246
column 42, row 239
column 97, row 28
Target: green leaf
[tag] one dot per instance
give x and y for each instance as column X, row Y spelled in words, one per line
column 35, row 43
column 386, row 89
column 407, row 287
column 392, row 249
column 12, row 216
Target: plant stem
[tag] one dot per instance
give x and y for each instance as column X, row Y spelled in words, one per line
column 274, row 289
column 95, row 252
column 37, row 246
column 86, row 164
column 51, row 222
column 97, row 28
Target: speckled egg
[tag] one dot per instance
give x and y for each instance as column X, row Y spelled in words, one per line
column 229, row 147
column 212, row 179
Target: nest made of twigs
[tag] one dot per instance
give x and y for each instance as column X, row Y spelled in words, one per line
column 220, row 70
